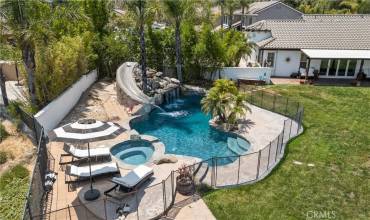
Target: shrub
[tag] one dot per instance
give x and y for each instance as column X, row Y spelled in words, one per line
column 17, row 172
column 3, row 132
column 60, row 64
column 3, row 157
column 13, row 187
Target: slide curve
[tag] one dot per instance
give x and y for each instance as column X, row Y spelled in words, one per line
column 126, row 82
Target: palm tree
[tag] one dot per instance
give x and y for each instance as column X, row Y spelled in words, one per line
column 16, row 12
column 219, row 98
column 239, row 108
column 222, row 3
column 176, row 11
column 231, row 5
column 138, row 10
column 244, row 4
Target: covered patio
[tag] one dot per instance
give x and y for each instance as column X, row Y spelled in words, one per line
column 339, row 64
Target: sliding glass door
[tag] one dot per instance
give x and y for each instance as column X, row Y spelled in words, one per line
column 337, row 68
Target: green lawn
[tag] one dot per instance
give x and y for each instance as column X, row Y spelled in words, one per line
column 336, row 140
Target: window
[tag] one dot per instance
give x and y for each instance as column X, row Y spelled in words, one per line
column 351, row 67
column 324, row 67
column 303, row 63
column 333, row 67
column 270, row 59
column 342, row 67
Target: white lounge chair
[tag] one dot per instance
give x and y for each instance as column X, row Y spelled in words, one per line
column 132, row 180
column 83, row 153
column 83, row 172
column 74, row 152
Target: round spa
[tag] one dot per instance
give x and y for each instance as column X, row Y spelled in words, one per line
column 133, row 152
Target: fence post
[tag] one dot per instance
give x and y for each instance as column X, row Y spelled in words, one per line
column 69, row 212
column 273, row 108
column 277, row 147
column 262, row 99
column 212, row 172
column 286, row 106
column 258, row 165
column 290, row 128
column 238, row 170
column 34, row 129
column 164, row 195
column 268, row 157
column 300, row 116
column 283, row 131
column 173, row 185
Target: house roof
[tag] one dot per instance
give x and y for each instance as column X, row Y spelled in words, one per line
column 257, row 7
column 341, row 33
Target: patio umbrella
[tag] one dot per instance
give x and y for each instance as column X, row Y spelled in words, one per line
column 86, row 131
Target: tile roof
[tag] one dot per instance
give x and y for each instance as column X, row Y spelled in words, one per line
column 338, row 32
column 255, row 7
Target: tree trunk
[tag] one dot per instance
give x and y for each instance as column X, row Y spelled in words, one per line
column 230, row 18
column 242, row 19
column 28, row 56
column 222, row 16
column 3, row 88
column 178, row 52
column 143, row 53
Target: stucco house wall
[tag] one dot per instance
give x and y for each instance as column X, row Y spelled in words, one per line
column 286, row 62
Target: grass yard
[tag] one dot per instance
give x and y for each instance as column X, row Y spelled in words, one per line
column 336, row 140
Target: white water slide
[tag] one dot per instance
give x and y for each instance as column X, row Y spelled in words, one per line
column 126, row 81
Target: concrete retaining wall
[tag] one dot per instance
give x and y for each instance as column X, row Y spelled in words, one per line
column 52, row 114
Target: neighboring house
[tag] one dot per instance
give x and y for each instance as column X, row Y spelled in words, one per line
column 335, row 46
column 265, row 10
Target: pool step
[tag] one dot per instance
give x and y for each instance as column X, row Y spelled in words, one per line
column 243, row 144
column 233, row 145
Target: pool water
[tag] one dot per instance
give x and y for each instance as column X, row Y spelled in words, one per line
column 184, row 129
column 134, row 152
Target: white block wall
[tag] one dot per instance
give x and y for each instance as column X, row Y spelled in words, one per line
column 235, row 73
column 52, row 114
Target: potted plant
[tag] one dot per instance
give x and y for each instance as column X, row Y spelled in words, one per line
column 184, row 182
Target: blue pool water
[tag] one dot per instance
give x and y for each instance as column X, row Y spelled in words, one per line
column 133, row 152
column 184, row 129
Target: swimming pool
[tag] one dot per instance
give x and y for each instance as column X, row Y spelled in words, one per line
column 133, row 152
column 184, row 129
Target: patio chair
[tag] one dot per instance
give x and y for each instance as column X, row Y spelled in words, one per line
column 75, row 173
column 131, row 181
column 81, row 154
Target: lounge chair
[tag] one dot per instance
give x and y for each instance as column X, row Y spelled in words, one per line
column 74, row 152
column 132, row 180
column 82, row 172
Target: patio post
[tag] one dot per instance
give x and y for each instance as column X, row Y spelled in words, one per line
column 307, row 69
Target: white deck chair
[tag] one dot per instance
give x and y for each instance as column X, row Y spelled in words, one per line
column 83, row 153
column 71, row 150
column 132, row 180
column 83, row 172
